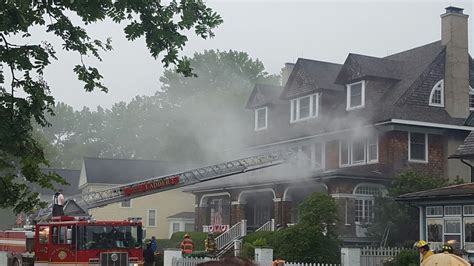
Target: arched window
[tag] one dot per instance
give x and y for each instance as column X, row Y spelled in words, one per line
column 471, row 99
column 437, row 94
column 364, row 202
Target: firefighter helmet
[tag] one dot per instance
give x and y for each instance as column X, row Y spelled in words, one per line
column 421, row 243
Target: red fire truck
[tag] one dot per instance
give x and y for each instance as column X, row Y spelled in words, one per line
column 69, row 240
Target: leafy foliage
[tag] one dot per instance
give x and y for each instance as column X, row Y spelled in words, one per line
column 313, row 239
column 23, row 60
column 405, row 258
column 400, row 217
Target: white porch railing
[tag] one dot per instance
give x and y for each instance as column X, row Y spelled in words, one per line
column 268, row 226
column 237, row 231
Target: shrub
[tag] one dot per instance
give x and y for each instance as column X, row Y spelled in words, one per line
column 404, row 258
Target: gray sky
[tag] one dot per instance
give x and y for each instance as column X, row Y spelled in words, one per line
column 273, row 31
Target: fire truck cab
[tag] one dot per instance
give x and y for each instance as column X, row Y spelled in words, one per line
column 74, row 241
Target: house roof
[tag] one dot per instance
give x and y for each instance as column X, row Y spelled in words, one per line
column 123, row 171
column 358, row 66
column 263, row 94
column 308, row 76
column 466, row 149
column 182, row 215
column 70, row 176
column 456, row 191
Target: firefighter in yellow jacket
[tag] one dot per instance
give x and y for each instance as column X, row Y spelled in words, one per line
column 210, row 244
column 424, row 249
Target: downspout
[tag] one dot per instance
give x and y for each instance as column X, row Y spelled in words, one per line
column 470, row 166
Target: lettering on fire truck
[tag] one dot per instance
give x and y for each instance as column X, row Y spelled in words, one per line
column 152, row 185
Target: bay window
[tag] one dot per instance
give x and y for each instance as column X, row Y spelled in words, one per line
column 358, row 151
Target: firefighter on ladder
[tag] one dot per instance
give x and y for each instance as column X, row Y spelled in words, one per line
column 187, row 245
column 58, row 203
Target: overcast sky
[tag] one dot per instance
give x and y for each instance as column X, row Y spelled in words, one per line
column 272, row 31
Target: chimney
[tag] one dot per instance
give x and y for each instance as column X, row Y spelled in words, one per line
column 285, row 73
column 454, row 35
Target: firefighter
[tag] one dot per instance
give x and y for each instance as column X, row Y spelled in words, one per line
column 58, row 203
column 424, row 249
column 447, row 248
column 210, row 244
column 187, row 245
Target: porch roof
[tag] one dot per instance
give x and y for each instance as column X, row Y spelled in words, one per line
column 449, row 192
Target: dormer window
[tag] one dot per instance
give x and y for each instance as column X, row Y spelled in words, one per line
column 261, row 118
column 355, row 95
column 304, row 108
column 437, row 94
column 471, row 99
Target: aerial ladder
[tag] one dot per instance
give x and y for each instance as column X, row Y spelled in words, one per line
column 94, row 199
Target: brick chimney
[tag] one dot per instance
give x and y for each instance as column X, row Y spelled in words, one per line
column 454, row 35
column 285, row 73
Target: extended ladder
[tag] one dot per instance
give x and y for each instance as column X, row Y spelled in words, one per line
column 104, row 197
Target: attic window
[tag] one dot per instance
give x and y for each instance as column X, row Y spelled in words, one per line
column 437, row 94
column 304, row 108
column 471, row 99
column 355, row 95
column 261, row 118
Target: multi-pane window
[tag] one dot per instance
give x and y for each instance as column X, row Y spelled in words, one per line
column 358, row 151
column 151, row 217
column 437, row 94
column 471, row 99
column 435, row 230
column 469, row 210
column 311, row 155
column 126, row 204
column 469, row 233
column 304, row 108
column 418, row 147
column 452, row 210
column 373, row 149
column 261, row 118
column 364, row 202
column 434, row 211
column 355, row 95
column 189, row 227
column 175, row 227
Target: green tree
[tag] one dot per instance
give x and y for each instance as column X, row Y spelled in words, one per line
column 314, row 238
column 24, row 94
column 400, row 218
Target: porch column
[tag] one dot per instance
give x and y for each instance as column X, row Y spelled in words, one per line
column 282, row 211
column 200, row 217
column 237, row 212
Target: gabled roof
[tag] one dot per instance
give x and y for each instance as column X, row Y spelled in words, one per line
column 70, row 176
column 465, row 150
column 456, row 191
column 308, row 76
column 123, row 171
column 358, row 66
column 263, row 94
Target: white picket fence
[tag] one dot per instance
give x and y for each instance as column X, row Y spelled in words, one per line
column 196, row 261
column 375, row 256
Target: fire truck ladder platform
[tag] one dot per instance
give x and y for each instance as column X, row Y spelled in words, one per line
column 104, row 197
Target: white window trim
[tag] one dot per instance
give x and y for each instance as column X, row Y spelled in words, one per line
column 442, row 224
column 453, row 218
column 377, row 150
column 464, row 212
column 348, row 153
column 348, row 96
column 121, row 206
column 426, row 149
column 435, row 215
column 311, row 105
column 471, row 92
column 435, row 87
column 352, row 154
column 364, row 198
column 256, row 119
column 148, row 217
column 453, row 215
column 323, row 156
